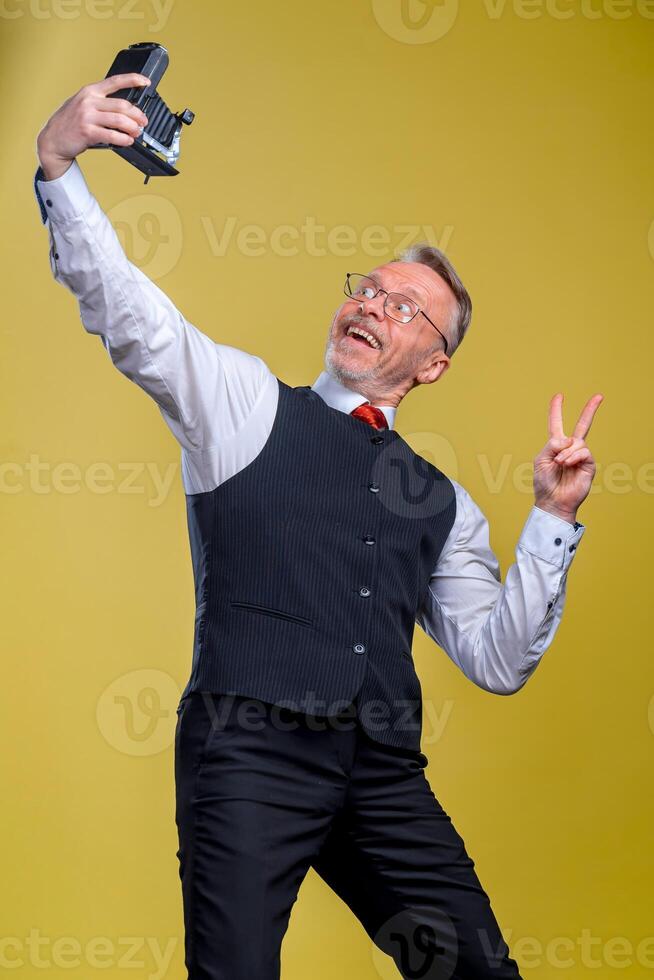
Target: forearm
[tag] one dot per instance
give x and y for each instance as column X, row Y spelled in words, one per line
column 529, row 607
column 497, row 633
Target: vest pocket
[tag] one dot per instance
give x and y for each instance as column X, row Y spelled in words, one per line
column 269, row 611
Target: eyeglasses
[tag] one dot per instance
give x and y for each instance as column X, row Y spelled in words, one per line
column 396, row 306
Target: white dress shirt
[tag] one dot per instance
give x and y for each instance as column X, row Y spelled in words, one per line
column 220, row 404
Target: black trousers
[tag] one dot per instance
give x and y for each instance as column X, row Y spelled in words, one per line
column 264, row 793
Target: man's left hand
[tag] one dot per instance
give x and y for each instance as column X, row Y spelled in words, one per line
column 564, row 468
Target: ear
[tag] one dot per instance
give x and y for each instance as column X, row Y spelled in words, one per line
column 433, row 371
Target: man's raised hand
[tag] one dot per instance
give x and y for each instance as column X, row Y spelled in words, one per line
column 90, row 117
column 564, row 468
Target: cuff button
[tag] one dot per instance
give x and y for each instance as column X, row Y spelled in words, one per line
column 572, row 547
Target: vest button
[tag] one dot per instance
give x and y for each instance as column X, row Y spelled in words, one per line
column 377, row 439
column 373, row 487
column 368, row 538
column 359, row 648
column 364, row 591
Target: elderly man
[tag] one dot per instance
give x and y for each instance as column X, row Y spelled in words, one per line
column 319, row 538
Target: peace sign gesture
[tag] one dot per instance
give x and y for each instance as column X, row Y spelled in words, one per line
column 564, row 468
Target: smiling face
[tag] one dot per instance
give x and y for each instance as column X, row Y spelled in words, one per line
column 396, row 357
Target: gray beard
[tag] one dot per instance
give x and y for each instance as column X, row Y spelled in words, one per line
column 348, row 376
column 343, row 374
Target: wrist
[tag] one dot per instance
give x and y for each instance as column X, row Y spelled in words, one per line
column 53, row 166
column 570, row 516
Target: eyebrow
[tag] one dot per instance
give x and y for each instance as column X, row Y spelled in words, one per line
column 409, row 291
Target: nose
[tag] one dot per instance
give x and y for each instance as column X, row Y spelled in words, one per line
column 374, row 307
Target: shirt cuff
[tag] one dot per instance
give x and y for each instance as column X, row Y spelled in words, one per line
column 64, row 197
column 551, row 538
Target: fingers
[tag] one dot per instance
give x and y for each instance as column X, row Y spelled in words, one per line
column 117, row 121
column 578, row 456
column 130, row 79
column 555, row 446
column 584, row 422
column 122, row 105
column 114, row 136
column 585, row 419
column 556, row 417
column 572, row 447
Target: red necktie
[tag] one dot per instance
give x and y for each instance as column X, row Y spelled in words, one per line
column 372, row 415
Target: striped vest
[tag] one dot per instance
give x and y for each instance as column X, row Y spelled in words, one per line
column 310, row 566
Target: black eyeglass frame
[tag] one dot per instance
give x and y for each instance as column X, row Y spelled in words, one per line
column 350, row 295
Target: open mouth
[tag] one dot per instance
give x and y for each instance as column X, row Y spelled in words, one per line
column 361, row 336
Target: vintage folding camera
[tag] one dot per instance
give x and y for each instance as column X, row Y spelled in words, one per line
column 156, row 150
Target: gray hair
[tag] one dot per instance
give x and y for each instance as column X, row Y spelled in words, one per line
column 431, row 256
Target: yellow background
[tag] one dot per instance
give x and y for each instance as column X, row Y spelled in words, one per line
column 523, row 136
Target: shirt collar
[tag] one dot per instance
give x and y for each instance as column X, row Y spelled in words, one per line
column 336, row 395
